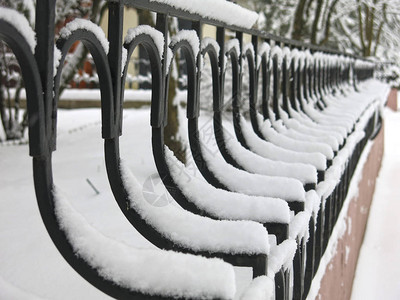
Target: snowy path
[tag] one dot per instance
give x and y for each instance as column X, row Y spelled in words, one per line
column 378, row 269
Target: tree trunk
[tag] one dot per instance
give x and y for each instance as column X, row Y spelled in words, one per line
column 298, row 23
column 314, row 29
column 328, row 23
column 171, row 131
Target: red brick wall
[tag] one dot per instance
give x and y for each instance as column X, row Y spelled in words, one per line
column 392, row 99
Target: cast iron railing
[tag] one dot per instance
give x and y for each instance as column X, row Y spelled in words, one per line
column 301, row 74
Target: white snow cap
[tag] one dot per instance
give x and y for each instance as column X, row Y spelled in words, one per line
column 124, row 58
column 232, row 44
column 56, row 58
column 295, row 56
column 301, row 60
column 277, row 51
column 313, row 201
column 170, row 57
column 281, row 256
column 225, row 204
column 270, row 150
column 87, row 25
column 220, row 10
column 260, row 165
column 190, row 36
column 153, row 272
column 261, row 288
column 286, row 53
column 20, row 23
column 240, row 181
column 264, row 48
column 210, row 41
column 248, row 47
column 299, row 225
column 156, row 35
column 193, row 231
column 309, row 58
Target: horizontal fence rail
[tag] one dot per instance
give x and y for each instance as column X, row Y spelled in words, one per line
column 286, row 81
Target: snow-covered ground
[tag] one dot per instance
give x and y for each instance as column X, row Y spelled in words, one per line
column 30, row 265
column 378, row 268
column 32, row 268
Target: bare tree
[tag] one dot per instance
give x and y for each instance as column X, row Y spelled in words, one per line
column 363, row 27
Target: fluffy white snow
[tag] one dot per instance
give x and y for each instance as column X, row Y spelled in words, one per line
column 94, row 95
column 222, row 10
column 152, row 272
column 156, row 35
column 281, row 256
column 30, row 265
column 190, row 36
column 296, row 131
column 276, row 53
column 270, row 150
column 247, row 183
column 193, row 231
column 224, row 204
column 299, row 225
column 124, row 58
column 261, row 288
column 87, row 25
column 264, row 49
column 257, row 164
column 19, row 22
column 57, row 57
column 251, row 161
column 248, row 47
column 232, row 44
column 210, row 41
column 296, row 145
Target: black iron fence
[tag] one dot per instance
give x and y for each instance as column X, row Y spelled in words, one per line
column 284, row 78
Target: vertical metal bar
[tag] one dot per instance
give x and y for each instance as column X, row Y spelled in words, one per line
column 237, row 96
column 237, row 88
column 162, row 26
column 197, row 26
column 293, row 83
column 285, row 83
column 115, row 27
column 276, row 87
column 254, row 41
column 254, row 102
column 44, row 55
column 221, row 43
column 266, row 84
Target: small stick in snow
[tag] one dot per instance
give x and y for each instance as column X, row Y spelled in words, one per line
column 92, row 185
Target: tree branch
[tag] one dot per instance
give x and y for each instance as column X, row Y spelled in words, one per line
column 349, row 36
column 370, row 31
column 378, row 36
column 360, row 25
